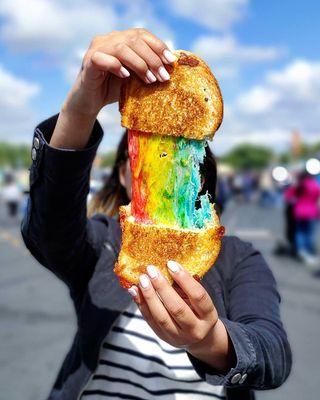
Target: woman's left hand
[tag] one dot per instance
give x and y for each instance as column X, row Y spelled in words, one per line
column 190, row 321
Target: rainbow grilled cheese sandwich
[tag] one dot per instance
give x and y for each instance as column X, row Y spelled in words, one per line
column 169, row 124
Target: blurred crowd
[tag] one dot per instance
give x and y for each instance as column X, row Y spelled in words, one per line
column 296, row 190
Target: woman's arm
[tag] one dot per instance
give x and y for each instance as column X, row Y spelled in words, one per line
column 254, row 308
column 247, row 349
column 262, row 351
column 108, row 61
column 55, row 227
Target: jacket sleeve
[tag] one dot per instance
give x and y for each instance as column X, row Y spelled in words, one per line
column 55, row 227
column 263, row 354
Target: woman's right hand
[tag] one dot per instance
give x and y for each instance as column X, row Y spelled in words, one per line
column 112, row 58
column 109, row 60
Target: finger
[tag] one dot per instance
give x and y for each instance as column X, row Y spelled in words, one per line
column 106, row 62
column 143, row 307
column 181, row 293
column 159, row 47
column 132, row 60
column 175, row 305
column 157, row 310
column 152, row 59
column 198, row 296
column 134, row 293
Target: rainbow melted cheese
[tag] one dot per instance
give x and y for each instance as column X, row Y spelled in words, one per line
column 166, row 180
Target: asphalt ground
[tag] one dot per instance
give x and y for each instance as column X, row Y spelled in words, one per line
column 37, row 320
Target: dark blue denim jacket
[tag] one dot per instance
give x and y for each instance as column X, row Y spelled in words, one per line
column 82, row 252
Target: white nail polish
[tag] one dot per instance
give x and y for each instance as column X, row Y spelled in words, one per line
column 164, row 73
column 150, row 76
column 124, row 72
column 169, row 56
column 152, row 271
column 133, row 291
column 144, row 281
column 173, row 266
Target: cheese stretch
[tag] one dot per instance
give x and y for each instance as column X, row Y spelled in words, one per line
column 166, row 180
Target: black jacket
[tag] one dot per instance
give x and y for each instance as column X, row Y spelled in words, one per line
column 82, row 253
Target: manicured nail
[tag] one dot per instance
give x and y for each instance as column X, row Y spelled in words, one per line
column 152, row 271
column 163, row 73
column 173, row 266
column 151, row 78
column 144, row 281
column 124, row 72
column 133, row 291
column 169, row 56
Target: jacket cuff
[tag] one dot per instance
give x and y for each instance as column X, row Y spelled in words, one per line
column 61, row 164
column 239, row 376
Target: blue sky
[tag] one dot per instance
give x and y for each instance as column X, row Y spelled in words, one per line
column 265, row 55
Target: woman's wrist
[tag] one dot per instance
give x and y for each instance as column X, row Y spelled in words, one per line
column 215, row 349
column 73, row 128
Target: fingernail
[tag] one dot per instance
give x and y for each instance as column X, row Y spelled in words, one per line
column 152, row 271
column 144, row 281
column 124, row 72
column 169, row 56
column 151, row 78
column 173, row 266
column 163, row 73
column 133, row 291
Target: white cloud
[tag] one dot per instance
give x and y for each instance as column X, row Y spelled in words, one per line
column 110, row 119
column 50, row 26
column 296, row 86
column 286, row 100
column 226, row 55
column 299, row 79
column 56, row 26
column 62, row 29
column 73, row 63
column 59, row 32
column 213, row 14
column 15, row 108
column 258, row 100
column 15, row 92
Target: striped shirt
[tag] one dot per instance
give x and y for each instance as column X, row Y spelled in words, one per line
column 135, row 364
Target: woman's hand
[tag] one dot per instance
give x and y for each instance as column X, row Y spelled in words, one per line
column 109, row 60
column 189, row 320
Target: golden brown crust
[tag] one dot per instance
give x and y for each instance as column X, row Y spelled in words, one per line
column 144, row 244
column 188, row 105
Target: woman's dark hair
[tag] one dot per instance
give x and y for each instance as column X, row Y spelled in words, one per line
column 113, row 194
column 208, row 171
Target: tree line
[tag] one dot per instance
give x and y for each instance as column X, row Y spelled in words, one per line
column 241, row 157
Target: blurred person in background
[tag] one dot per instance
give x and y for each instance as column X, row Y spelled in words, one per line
column 290, row 221
column 206, row 340
column 304, row 197
column 223, row 193
column 248, row 186
column 238, row 186
column 266, row 189
column 11, row 194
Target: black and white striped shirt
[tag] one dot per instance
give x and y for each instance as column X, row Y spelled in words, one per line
column 135, row 364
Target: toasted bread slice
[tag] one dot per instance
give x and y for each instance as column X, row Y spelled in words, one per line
column 189, row 104
column 144, row 244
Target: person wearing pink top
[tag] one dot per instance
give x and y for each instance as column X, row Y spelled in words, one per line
column 305, row 197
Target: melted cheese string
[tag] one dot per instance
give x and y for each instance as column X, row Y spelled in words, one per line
column 166, row 180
